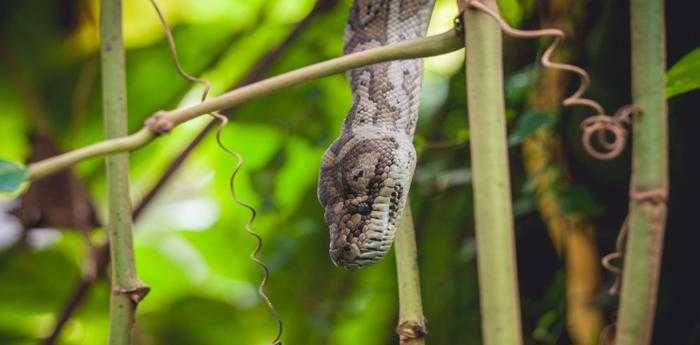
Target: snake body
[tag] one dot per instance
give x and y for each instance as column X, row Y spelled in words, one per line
column 366, row 173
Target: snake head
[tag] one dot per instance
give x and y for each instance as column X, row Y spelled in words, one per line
column 363, row 185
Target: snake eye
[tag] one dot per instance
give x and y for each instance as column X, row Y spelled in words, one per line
column 363, row 208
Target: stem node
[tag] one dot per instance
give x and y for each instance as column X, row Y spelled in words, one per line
column 136, row 294
column 411, row 330
column 159, row 123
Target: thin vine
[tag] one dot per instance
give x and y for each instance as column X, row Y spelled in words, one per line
column 223, row 121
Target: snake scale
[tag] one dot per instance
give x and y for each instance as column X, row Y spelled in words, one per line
column 366, row 173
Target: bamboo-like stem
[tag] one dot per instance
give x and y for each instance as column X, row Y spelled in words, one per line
column 498, row 286
column 411, row 328
column 126, row 288
column 416, row 48
column 649, row 185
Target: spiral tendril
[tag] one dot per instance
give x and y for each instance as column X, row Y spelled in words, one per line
column 223, row 121
column 600, row 124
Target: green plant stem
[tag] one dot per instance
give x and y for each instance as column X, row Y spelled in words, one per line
column 411, row 327
column 498, row 287
column 416, row 48
column 54, row 164
column 649, row 184
column 126, row 289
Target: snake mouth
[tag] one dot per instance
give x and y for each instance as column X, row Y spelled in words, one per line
column 360, row 244
column 353, row 257
column 367, row 248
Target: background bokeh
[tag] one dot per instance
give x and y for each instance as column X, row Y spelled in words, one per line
column 191, row 248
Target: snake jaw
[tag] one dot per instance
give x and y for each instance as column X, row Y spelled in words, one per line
column 359, row 243
column 357, row 249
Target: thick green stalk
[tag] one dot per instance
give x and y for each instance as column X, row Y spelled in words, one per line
column 126, row 289
column 649, row 185
column 498, row 286
column 411, row 328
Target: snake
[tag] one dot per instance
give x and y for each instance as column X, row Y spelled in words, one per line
column 365, row 174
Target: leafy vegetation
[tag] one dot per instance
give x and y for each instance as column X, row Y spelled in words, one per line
column 190, row 245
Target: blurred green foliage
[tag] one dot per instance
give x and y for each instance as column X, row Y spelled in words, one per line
column 190, row 245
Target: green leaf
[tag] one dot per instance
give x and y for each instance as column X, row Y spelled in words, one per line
column 684, row 76
column 527, row 124
column 11, row 176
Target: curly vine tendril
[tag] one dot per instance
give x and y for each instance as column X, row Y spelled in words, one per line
column 239, row 163
column 611, row 131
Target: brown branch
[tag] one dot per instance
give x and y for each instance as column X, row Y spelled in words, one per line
column 101, row 262
column 102, row 253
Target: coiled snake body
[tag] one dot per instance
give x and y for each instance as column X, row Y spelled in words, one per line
column 366, row 173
